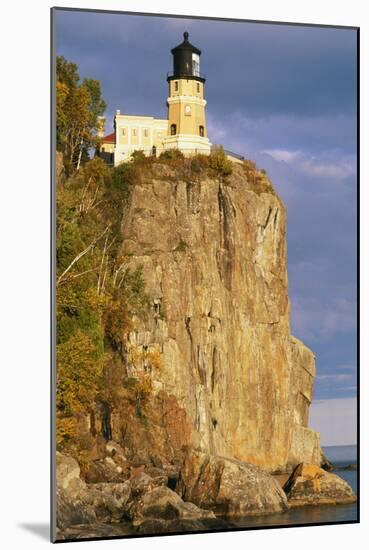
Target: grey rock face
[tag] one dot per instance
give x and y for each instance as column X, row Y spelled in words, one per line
column 68, row 473
column 72, row 510
column 230, row 487
column 163, row 503
column 79, row 502
column 108, row 499
column 143, row 483
column 310, row 484
column 213, row 256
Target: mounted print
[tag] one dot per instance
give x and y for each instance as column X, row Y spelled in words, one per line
column 205, row 282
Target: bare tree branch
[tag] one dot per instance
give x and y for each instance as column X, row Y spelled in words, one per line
column 81, row 254
column 84, row 191
column 105, row 273
column 117, row 271
column 80, row 153
column 101, row 265
column 76, row 275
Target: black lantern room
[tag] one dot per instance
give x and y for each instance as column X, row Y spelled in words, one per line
column 186, row 61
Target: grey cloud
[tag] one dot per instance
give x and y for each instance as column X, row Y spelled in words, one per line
column 261, row 68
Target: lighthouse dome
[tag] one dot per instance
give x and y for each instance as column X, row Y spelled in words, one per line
column 186, row 45
column 186, row 60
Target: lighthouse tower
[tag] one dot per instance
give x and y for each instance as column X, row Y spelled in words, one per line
column 186, row 102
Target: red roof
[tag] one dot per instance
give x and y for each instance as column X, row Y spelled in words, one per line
column 109, row 138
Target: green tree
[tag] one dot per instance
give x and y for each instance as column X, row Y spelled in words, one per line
column 78, row 106
column 97, row 105
column 67, row 72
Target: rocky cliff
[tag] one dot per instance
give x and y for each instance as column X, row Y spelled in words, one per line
column 213, row 253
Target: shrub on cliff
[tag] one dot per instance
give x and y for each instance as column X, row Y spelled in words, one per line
column 249, row 166
column 219, row 164
column 199, row 163
column 261, row 184
column 138, row 156
column 142, row 362
column 258, row 179
column 171, row 154
column 140, row 165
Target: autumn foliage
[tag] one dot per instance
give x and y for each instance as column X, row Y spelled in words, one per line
column 97, row 294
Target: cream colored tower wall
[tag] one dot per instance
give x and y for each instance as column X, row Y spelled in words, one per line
column 186, row 111
column 186, row 87
column 186, row 106
column 188, row 115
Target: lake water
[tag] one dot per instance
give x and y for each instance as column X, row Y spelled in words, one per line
column 305, row 515
column 343, row 455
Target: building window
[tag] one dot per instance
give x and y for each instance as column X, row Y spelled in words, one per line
column 176, row 86
column 154, row 150
column 173, row 129
column 146, row 132
column 134, row 132
column 123, row 131
column 198, row 87
column 201, row 131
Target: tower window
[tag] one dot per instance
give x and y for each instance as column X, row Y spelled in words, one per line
column 201, row 131
column 195, row 64
column 176, row 86
column 173, row 129
column 198, row 87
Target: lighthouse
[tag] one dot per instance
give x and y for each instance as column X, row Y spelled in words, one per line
column 183, row 129
column 186, row 102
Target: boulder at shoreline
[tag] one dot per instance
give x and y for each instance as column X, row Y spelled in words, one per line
column 139, row 499
column 229, row 487
column 163, row 503
column 309, row 484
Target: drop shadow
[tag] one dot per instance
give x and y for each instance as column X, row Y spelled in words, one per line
column 42, row 530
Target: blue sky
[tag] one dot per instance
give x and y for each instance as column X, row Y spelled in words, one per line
column 284, row 96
